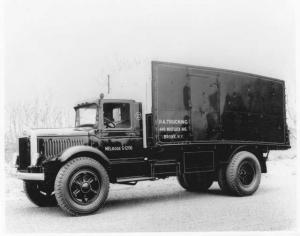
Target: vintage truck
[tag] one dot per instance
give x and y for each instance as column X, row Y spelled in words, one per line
column 206, row 125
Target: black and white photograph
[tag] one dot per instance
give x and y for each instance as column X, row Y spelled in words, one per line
column 149, row 116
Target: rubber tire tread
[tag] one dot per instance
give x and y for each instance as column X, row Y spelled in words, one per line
column 231, row 173
column 190, row 183
column 64, row 173
column 33, row 194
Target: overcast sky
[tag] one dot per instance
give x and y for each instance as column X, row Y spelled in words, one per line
column 65, row 49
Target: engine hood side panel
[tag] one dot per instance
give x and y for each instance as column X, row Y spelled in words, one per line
column 50, row 147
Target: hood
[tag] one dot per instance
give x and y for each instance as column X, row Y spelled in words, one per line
column 35, row 133
column 60, row 132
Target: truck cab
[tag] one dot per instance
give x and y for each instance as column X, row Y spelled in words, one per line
column 116, row 130
column 109, row 114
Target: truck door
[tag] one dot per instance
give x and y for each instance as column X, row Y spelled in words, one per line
column 204, row 105
column 120, row 136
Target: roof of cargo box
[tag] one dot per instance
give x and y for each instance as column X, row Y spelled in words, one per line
column 154, row 63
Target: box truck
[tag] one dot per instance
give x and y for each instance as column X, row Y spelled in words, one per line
column 206, row 125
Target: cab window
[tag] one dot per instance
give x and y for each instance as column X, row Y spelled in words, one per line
column 116, row 115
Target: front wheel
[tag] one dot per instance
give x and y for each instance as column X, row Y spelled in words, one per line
column 243, row 173
column 39, row 194
column 81, row 186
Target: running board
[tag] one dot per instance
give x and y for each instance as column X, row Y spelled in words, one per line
column 134, row 179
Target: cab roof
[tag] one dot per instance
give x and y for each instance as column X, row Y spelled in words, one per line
column 89, row 102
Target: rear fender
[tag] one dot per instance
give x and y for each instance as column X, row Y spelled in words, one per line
column 256, row 151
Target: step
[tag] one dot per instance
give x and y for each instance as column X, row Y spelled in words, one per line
column 134, row 179
column 161, row 163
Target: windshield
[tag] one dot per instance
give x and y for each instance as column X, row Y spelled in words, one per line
column 86, row 116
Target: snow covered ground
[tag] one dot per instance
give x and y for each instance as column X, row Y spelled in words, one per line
column 281, row 163
column 164, row 206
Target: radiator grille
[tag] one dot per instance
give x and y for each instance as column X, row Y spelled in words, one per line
column 24, row 153
column 52, row 147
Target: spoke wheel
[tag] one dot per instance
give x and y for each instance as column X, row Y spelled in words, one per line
column 243, row 173
column 246, row 173
column 81, row 186
column 84, row 186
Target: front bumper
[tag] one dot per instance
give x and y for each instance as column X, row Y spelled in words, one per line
column 30, row 176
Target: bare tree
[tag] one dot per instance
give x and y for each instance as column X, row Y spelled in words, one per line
column 40, row 113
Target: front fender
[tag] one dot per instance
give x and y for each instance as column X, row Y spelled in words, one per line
column 85, row 150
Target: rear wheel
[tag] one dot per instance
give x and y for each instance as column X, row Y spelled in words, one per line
column 81, row 186
column 243, row 173
column 39, row 194
column 222, row 180
column 195, row 182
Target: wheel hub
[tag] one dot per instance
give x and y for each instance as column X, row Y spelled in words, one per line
column 85, row 187
column 246, row 173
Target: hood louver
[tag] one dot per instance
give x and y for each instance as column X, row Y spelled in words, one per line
column 51, row 147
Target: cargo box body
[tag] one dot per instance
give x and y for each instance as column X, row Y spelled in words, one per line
column 192, row 104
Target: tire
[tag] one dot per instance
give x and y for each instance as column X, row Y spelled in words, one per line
column 81, row 186
column 38, row 194
column 199, row 182
column 222, row 180
column 243, row 173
